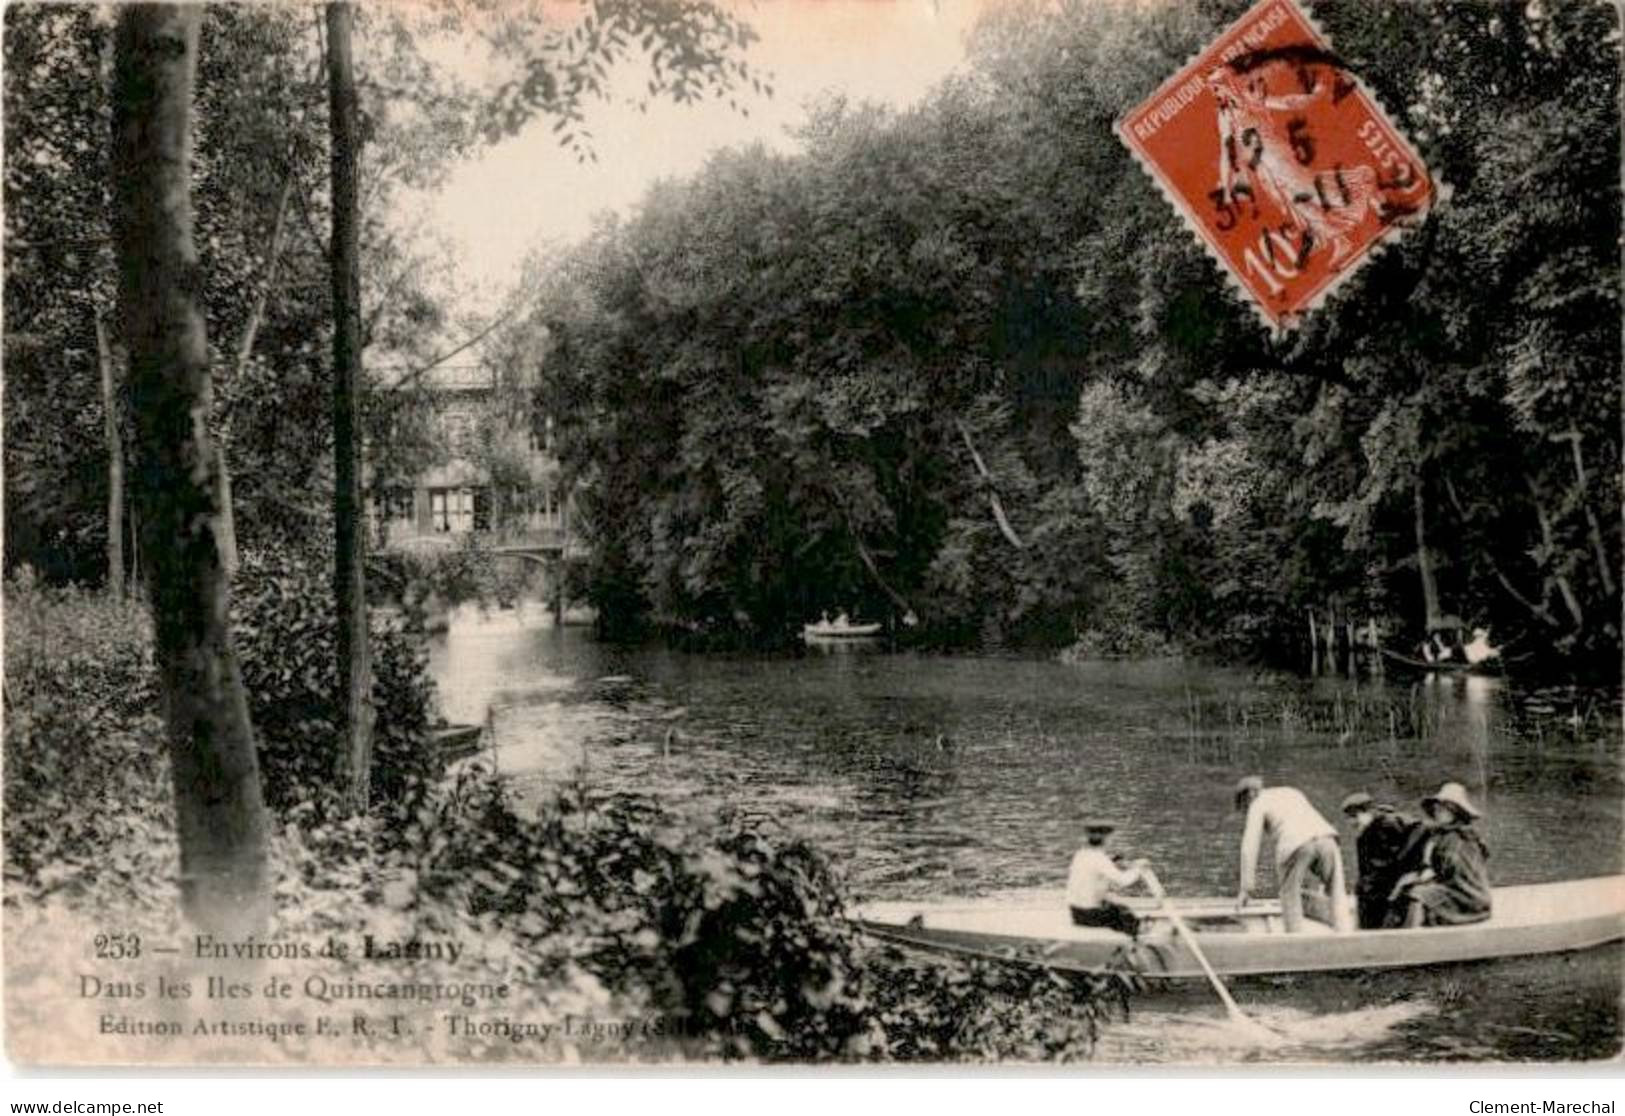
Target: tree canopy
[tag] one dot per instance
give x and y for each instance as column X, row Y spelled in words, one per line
column 962, row 364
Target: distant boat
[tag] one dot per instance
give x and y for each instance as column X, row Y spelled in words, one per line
column 1476, row 655
column 1443, row 666
column 455, row 742
column 842, row 627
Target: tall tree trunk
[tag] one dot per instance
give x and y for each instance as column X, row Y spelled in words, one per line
column 115, row 464
column 1424, row 564
column 1593, row 527
column 219, row 811
column 349, row 581
column 135, row 548
column 1540, row 611
column 986, row 477
column 1549, row 542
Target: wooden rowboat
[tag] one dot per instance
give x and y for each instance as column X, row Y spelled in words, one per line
column 1250, row 941
column 840, row 628
column 455, row 742
column 1443, row 666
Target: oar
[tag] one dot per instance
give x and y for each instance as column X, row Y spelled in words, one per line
column 1232, row 1008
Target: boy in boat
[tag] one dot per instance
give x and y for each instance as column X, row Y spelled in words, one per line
column 1452, row 888
column 1095, row 875
column 1307, row 860
column 1387, row 844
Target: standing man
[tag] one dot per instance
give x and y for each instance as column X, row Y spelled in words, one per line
column 1095, row 875
column 1387, row 844
column 1305, row 850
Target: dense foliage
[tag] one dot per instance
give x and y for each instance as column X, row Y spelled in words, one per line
column 963, row 362
column 262, row 216
column 737, row 928
column 423, row 579
column 284, row 629
column 79, row 669
column 82, row 729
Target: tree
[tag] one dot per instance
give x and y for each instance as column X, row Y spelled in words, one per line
column 349, row 536
column 220, row 814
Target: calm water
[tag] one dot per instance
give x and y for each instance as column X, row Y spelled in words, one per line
column 927, row 775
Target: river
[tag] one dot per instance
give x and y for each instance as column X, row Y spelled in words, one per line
column 926, row 775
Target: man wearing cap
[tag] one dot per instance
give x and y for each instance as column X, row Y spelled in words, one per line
column 1387, row 844
column 1452, row 888
column 1094, row 876
column 1305, row 850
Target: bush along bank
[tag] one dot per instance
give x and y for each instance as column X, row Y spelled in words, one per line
column 731, row 933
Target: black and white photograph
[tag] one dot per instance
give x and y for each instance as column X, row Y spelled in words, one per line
column 864, row 534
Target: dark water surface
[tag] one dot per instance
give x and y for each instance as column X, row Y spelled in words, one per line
column 926, row 776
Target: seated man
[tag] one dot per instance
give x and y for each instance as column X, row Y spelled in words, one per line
column 1387, row 844
column 1095, row 874
column 1307, row 860
column 1452, row 888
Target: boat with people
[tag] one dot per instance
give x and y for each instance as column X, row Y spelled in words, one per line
column 1527, row 919
column 842, row 627
column 1442, row 666
column 1441, row 655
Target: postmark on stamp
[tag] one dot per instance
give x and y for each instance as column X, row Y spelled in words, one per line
column 1280, row 160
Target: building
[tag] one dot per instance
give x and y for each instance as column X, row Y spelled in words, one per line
column 493, row 474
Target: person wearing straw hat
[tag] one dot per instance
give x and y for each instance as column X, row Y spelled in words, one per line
column 1452, row 888
column 1387, row 844
column 1094, row 876
column 1307, row 860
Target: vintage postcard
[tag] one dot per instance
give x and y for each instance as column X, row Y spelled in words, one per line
column 837, row 532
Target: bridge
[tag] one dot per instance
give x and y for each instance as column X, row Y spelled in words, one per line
column 549, row 547
column 542, row 545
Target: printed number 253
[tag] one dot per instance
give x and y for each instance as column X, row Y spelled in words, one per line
column 117, row 947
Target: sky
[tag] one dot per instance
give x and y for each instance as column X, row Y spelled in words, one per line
column 528, row 191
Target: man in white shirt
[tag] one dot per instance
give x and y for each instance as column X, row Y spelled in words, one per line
column 1094, row 876
column 1307, row 860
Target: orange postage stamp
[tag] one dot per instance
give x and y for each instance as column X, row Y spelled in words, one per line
column 1280, row 160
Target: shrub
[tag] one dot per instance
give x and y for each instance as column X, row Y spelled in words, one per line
column 1114, row 632
column 457, row 575
column 88, row 808
column 286, row 637
column 738, row 930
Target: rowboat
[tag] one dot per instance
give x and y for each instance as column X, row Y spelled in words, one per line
column 1443, row 666
column 840, row 628
column 1528, row 919
column 454, row 742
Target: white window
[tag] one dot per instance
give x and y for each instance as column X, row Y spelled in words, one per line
column 541, row 432
column 451, row 510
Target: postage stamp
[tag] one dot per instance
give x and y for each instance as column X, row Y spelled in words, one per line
column 1280, row 160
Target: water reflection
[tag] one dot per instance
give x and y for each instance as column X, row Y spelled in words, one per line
column 1463, row 706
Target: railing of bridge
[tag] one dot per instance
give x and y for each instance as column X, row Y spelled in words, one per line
column 501, row 538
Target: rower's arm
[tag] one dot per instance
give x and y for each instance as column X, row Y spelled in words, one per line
column 1120, row 877
column 1251, row 836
